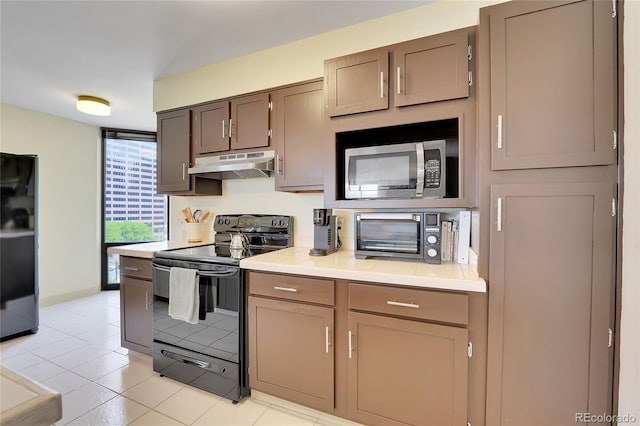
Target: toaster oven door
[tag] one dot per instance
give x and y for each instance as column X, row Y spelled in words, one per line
column 396, row 235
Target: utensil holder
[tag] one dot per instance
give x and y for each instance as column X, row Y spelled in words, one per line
column 194, row 232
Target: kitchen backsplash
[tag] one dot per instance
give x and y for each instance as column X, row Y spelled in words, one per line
column 254, row 196
column 258, row 196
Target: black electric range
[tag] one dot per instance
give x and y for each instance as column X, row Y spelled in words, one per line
column 212, row 354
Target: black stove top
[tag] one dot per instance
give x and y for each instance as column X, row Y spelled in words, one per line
column 265, row 233
column 209, row 254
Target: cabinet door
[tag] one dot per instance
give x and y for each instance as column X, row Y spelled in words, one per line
column 291, row 351
column 173, row 151
column 404, row 372
column 551, row 280
column 136, row 303
column 552, row 84
column 432, row 69
column 250, row 121
column 357, row 83
column 211, row 128
column 298, row 132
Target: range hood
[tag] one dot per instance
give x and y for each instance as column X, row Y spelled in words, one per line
column 234, row 166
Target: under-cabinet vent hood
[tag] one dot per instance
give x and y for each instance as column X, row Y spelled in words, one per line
column 234, row 166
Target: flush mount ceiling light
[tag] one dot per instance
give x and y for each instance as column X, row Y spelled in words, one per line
column 94, row 106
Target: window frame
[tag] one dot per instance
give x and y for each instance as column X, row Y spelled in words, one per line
column 112, row 133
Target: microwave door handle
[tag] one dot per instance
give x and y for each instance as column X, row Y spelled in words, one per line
column 419, row 170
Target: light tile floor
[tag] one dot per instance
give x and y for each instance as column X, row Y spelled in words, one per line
column 77, row 352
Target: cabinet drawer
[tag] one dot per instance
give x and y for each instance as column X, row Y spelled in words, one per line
column 135, row 267
column 423, row 304
column 291, row 287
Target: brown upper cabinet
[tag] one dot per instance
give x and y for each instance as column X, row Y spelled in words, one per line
column 298, row 133
column 429, row 69
column 175, row 157
column 432, row 69
column 552, row 84
column 357, row 83
column 173, row 151
column 239, row 123
column 249, row 125
column 211, row 128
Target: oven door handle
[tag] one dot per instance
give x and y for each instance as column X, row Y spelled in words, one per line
column 227, row 273
column 192, row 361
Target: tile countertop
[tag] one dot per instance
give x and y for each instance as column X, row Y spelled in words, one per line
column 344, row 265
column 146, row 250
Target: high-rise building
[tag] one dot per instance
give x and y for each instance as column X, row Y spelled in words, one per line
column 130, row 185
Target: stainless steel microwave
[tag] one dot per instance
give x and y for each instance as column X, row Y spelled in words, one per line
column 407, row 170
column 398, row 235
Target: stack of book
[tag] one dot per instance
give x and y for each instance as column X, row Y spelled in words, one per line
column 455, row 238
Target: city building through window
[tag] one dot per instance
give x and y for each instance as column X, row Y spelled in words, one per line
column 132, row 211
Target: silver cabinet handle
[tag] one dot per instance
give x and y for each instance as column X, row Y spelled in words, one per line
column 403, row 305
column 289, row 289
column 231, row 127
column 499, row 132
column 398, row 78
column 184, row 171
column 350, row 345
column 223, row 129
column 499, row 224
column 279, row 164
column 326, row 339
column 131, row 268
column 326, row 98
column 146, row 300
column 381, row 84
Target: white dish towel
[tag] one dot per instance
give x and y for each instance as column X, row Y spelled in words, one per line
column 184, row 295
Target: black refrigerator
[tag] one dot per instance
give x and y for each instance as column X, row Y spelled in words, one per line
column 18, row 245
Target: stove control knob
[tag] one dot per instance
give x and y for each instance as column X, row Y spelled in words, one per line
column 432, row 239
column 274, row 222
column 432, row 252
column 227, row 221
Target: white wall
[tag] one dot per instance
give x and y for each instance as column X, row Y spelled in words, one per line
column 69, row 206
column 629, row 401
column 304, row 59
column 256, row 196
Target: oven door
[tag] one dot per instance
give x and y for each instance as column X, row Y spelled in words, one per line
column 397, row 235
column 210, row 354
column 388, row 171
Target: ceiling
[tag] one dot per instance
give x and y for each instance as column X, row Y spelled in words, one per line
column 52, row 51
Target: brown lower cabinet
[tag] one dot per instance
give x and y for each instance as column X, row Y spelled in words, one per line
column 290, row 354
column 550, row 306
column 405, row 372
column 136, row 304
column 360, row 350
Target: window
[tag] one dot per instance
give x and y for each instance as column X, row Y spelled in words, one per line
column 132, row 211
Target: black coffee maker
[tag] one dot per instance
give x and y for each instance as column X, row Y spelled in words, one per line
column 325, row 233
